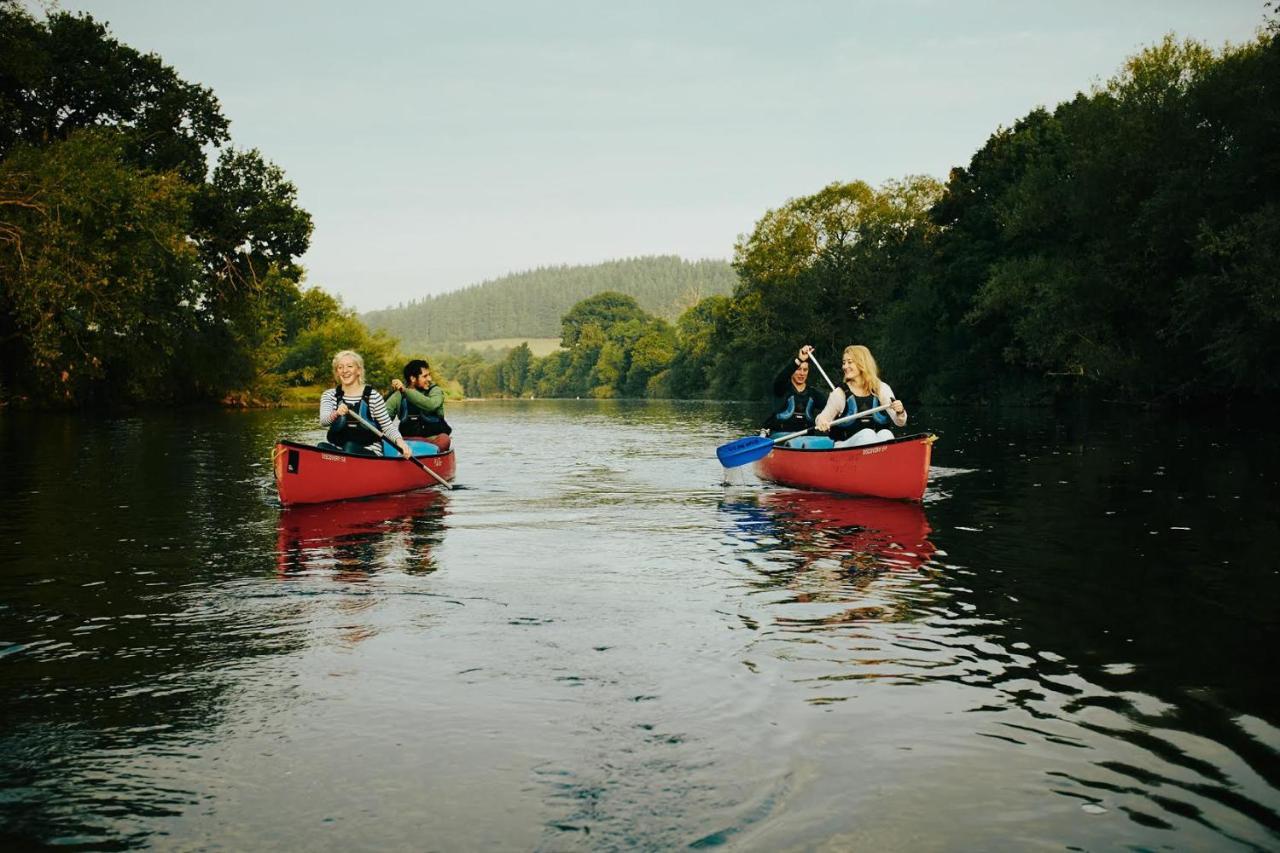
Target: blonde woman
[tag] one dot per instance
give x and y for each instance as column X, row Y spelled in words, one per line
column 861, row 389
column 352, row 395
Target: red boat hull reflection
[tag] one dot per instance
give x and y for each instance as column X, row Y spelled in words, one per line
column 312, row 533
column 892, row 532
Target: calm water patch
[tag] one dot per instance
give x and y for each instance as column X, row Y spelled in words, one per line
column 596, row 642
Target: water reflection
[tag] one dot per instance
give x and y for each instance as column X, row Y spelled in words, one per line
column 831, row 560
column 860, row 534
column 353, row 538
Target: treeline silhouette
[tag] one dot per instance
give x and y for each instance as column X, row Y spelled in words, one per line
column 531, row 304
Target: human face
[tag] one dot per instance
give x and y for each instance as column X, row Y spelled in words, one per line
column 422, row 380
column 801, row 375
column 348, row 372
column 849, row 368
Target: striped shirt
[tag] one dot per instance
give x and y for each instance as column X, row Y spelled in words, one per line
column 377, row 412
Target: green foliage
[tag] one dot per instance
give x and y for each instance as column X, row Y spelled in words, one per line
column 531, row 304
column 67, row 74
column 128, row 270
column 1107, row 228
column 602, row 310
column 98, row 276
column 818, row 270
column 324, row 328
column 614, row 349
column 1123, row 243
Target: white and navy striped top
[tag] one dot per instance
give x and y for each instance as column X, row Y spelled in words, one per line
column 377, row 411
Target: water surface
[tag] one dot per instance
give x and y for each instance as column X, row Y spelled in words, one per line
column 596, row 643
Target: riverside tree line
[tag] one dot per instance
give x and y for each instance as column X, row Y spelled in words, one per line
column 129, row 269
column 1122, row 244
column 1125, row 244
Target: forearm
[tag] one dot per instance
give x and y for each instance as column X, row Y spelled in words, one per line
column 834, row 406
column 886, row 396
column 328, row 409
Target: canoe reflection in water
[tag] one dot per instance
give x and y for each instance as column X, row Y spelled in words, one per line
column 862, row 534
column 840, row 559
column 354, row 538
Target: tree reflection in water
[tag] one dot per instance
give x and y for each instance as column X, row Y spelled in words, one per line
column 351, row 539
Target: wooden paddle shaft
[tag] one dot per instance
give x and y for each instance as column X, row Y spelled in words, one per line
column 415, row 460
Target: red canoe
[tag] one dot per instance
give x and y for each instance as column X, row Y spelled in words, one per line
column 895, row 469
column 308, row 475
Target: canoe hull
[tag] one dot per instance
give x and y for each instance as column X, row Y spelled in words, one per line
column 897, row 469
column 308, row 475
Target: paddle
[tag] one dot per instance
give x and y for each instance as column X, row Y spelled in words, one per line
column 414, row 459
column 820, row 370
column 755, row 447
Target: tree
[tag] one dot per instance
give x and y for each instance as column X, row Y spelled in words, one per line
column 602, row 310
column 68, row 74
column 98, row 276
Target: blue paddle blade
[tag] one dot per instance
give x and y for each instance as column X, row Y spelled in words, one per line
column 744, row 450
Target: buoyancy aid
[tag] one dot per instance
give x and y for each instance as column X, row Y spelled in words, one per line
column 854, row 404
column 345, row 430
column 415, row 422
column 797, row 412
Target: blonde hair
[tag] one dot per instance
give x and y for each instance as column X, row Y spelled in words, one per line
column 865, row 365
column 350, row 354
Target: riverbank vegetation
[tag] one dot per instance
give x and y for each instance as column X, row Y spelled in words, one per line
column 1122, row 244
column 131, row 270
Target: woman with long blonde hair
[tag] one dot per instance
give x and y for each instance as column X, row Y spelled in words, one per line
column 351, row 394
column 861, row 389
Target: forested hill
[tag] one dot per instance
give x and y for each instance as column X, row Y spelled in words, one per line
column 532, row 303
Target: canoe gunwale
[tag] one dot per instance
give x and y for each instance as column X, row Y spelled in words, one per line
column 298, row 445
column 835, row 450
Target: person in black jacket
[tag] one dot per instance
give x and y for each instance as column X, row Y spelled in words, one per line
column 795, row 404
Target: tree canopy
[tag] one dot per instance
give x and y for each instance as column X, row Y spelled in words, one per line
column 130, row 270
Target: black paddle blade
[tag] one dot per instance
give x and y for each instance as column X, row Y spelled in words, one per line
column 744, row 450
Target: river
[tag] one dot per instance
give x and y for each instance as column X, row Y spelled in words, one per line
column 596, row 642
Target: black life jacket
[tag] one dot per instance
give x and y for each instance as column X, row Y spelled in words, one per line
column 797, row 412
column 345, row 430
column 854, row 404
column 420, row 424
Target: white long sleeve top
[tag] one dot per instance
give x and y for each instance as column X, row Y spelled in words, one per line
column 836, row 401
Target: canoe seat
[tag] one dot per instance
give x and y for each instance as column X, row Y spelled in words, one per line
column 419, row 448
column 812, row 442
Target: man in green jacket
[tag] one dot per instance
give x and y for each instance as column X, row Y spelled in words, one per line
column 420, row 404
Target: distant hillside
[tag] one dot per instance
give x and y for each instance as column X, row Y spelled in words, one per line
column 530, row 304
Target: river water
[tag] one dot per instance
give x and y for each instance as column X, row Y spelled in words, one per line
column 596, row 643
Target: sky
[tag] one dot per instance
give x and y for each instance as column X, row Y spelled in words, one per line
column 437, row 145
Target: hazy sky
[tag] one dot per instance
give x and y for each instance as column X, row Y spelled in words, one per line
column 440, row 144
